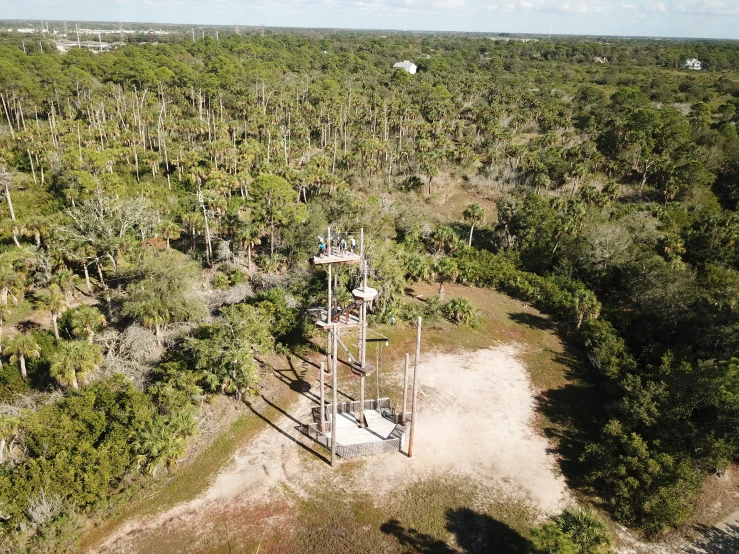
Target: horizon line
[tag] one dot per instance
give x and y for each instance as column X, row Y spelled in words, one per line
column 374, row 29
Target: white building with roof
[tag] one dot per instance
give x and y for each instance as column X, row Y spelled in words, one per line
column 693, row 64
column 410, row 67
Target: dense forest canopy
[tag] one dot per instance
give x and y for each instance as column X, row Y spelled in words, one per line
column 135, row 179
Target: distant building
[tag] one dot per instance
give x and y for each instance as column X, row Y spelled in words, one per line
column 410, row 67
column 693, row 64
column 65, row 46
column 598, row 59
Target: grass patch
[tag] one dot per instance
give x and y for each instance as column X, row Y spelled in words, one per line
column 434, row 516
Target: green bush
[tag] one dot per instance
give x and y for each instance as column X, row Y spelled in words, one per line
column 460, row 310
column 549, row 539
column 586, row 530
column 644, row 486
column 220, row 281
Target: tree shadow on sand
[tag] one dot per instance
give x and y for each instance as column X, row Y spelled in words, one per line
column 474, row 533
column 715, row 540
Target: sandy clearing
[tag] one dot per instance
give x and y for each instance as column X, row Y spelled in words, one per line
column 477, row 419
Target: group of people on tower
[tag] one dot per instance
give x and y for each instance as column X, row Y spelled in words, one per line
column 339, row 244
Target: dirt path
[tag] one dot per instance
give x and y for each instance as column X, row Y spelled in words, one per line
column 477, row 412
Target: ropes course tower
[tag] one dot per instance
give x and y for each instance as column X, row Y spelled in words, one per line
column 354, row 428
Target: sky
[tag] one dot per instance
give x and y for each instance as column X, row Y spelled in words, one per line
column 667, row 18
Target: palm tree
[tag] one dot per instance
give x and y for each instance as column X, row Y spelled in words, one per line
column 53, row 301
column 147, row 307
column 23, row 346
column 473, row 214
column 74, row 361
column 66, row 280
column 157, row 445
column 446, row 270
column 12, row 282
column 460, row 310
column 85, row 320
column 445, row 239
column 586, row 529
column 170, row 231
column 586, row 306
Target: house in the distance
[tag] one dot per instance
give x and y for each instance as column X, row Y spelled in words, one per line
column 599, row 59
column 693, row 64
column 410, row 67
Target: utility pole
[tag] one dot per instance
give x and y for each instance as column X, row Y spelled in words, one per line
column 414, row 415
column 76, row 27
column 193, row 34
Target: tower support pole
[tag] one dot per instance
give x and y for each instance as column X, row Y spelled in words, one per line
column 334, row 406
column 328, row 309
column 405, row 392
column 414, row 416
column 362, row 333
column 322, row 413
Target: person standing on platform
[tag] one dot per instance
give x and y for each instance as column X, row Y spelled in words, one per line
column 342, row 245
column 321, row 246
column 352, row 244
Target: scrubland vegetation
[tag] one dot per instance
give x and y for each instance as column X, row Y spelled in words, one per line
column 161, row 203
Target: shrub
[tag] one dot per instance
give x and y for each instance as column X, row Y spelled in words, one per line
column 644, row 485
column 460, row 310
column 549, row 539
column 586, row 529
column 220, row 281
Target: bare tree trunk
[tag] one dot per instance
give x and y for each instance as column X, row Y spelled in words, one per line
column 30, row 160
column 87, row 278
column 7, row 116
column 136, row 159
column 22, row 359
column 208, row 248
column 272, row 239
column 56, row 327
column 472, row 228
column 100, row 274
column 158, row 331
column 10, row 202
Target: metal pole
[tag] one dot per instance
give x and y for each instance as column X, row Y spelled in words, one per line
column 377, row 369
column 362, row 333
column 334, row 407
column 323, row 399
column 414, row 415
column 405, row 392
column 328, row 249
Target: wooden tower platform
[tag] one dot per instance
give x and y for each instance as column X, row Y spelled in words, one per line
column 337, row 258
